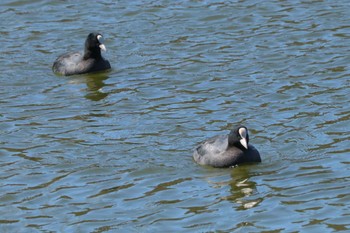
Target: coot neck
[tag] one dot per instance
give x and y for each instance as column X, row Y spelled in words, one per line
column 92, row 53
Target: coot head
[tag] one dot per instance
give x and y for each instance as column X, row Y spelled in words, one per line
column 94, row 45
column 239, row 137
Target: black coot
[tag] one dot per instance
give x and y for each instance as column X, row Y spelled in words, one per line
column 79, row 63
column 227, row 150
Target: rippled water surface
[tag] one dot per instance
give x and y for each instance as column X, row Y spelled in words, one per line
column 111, row 152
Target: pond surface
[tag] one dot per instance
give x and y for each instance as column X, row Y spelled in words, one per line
column 111, row 152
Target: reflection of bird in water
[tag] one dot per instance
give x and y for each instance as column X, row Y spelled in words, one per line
column 242, row 189
column 95, row 83
column 246, row 189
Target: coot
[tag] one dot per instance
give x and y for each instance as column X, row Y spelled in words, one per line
column 79, row 63
column 227, row 150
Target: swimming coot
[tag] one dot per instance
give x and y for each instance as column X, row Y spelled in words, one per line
column 227, row 150
column 79, row 63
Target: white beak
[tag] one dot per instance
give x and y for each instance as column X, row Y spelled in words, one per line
column 102, row 47
column 244, row 143
column 243, row 133
column 100, row 40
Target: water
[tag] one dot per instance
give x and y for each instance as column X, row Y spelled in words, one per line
column 111, row 152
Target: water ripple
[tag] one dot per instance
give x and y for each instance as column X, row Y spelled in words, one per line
column 112, row 151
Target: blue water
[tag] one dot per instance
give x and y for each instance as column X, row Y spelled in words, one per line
column 111, row 152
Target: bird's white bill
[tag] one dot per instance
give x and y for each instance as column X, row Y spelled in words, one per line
column 243, row 133
column 100, row 40
column 102, row 47
column 244, row 143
